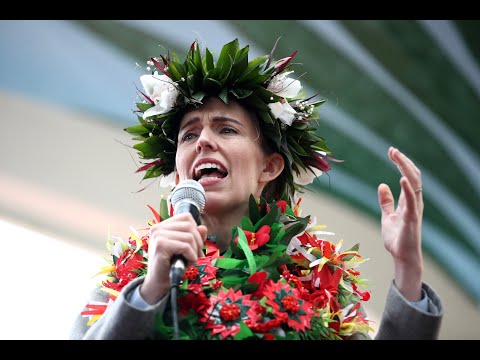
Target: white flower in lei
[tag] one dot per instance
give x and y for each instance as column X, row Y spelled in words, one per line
column 162, row 91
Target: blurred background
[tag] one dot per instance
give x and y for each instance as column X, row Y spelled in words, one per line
column 67, row 181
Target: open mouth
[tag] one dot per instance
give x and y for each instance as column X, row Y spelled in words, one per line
column 209, row 171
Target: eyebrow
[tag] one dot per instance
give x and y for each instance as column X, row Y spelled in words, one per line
column 215, row 119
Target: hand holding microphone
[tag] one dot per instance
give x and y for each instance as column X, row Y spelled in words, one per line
column 187, row 197
column 175, row 241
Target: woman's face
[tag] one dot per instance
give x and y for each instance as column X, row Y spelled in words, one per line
column 220, row 147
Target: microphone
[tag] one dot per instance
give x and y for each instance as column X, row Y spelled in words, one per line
column 188, row 196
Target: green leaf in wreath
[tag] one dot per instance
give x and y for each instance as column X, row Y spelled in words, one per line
column 138, row 130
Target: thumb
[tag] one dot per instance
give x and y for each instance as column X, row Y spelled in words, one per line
column 385, row 199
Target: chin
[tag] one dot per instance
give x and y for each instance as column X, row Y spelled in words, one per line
column 218, row 202
column 213, row 202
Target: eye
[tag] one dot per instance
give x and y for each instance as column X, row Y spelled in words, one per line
column 228, row 130
column 188, row 136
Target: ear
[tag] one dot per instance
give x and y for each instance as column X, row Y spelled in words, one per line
column 274, row 164
column 177, row 178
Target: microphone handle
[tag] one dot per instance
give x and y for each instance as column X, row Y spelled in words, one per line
column 178, row 261
column 177, row 270
column 188, row 207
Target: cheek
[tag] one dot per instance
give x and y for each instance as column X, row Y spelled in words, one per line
column 249, row 165
column 180, row 164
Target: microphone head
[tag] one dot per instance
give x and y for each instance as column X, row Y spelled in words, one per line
column 189, row 191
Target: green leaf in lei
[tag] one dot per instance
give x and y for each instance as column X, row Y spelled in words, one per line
column 228, row 263
column 353, row 249
column 253, row 211
column 246, row 224
column 274, row 230
column 272, row 217
column 243, row 244
column 294, row 230
column 244, row 332
column 164, row 213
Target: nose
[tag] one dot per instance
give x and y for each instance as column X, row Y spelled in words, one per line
column 206, row 140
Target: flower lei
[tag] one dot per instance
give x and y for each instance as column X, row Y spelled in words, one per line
column 278, row 280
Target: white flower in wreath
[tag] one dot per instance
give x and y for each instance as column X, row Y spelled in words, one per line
column 168, row 181
column 283, row 111
column 284, row 86
column 306, row 177
column 162, row 91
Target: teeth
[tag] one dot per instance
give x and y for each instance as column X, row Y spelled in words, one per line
column 209, row 178
column 207, row 166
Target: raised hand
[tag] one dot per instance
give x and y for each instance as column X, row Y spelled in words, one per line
column 402, row 226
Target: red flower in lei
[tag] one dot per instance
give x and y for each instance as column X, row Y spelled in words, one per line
column 288, row 306
column 227, row 310
column 197, row 302
column 201, row 273
column 126, row 269
column 257, row 239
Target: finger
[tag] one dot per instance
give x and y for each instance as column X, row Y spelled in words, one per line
column 190, row 239
column 175, row 247
column 180, row 217
column 410, row 199
column 182, row 223
column 202, row 229
column 407, row 167
column 417, row 193
column 385, row 199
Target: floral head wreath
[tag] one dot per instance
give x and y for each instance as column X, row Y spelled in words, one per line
column 285, row 115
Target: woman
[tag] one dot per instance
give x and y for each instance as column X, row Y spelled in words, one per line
column 243, row 133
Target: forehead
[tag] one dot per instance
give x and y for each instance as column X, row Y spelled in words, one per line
column 214, row 107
